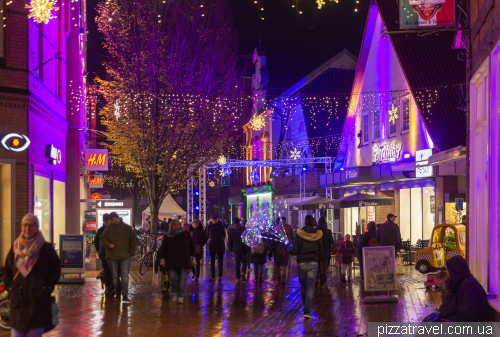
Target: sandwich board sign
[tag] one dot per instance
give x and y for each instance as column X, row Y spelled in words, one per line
column 379, row 268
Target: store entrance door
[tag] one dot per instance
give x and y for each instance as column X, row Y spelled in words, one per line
column 7, row 210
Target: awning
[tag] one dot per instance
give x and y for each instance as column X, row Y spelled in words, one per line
column 313, row 204
column 446, row 156
column 361, row 200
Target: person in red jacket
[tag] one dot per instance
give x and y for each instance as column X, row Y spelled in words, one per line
column 346, row 257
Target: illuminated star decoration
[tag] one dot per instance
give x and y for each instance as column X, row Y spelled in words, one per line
column 117, row 109
column 221, row 160
column 211, row 184
column 257, row 122
column 41, row 10
column 393, row 114
column 295, row 154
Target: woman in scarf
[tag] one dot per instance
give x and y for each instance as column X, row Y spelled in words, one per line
column 177, row 255
column 32, row 269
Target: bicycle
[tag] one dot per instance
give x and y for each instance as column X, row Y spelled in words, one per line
column 150, row 256
column 4, row 305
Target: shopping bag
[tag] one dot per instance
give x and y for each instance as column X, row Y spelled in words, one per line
column 400, row 268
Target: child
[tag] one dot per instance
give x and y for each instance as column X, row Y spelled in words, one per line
column 346, row 256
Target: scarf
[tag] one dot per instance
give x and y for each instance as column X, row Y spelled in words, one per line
column 172, row 233
column 27, row 252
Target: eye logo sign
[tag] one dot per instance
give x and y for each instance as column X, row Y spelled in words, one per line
column 15, row 142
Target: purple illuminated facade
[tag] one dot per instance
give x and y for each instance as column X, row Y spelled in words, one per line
column 42, row 88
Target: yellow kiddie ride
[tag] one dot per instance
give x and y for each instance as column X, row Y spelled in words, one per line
column 447, row 240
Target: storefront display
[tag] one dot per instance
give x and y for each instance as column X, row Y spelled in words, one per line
column 42, row 205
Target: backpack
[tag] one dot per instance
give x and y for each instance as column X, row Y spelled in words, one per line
column 281, row 249
column 259, row 249
column 373, row 242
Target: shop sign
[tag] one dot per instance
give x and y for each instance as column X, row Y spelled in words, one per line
column 379, row 268
column 71, row 251
column 422, row 14
column 352, row 174
column 459, row 204
column 90, row 214
column 90, row 226
column 96, row 181
column 422, row 169
column 114, row 203
column 54, row 154
column 96, row 159
column 386, row 153
column 96, row 196
column 15, row 142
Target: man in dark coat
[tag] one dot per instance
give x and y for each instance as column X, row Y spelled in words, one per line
column 308, row 249
column 327, row 243
column 216, row 235
column 365, row 242
column 239, row 250
column 467, row 301
column 389, row 234
column 101, row 252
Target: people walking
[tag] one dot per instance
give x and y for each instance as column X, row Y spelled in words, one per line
column 32, row 269
column 101, row 252
column 290, row 232
column 389, row 234
column 200, row 239
column 308, row 249
column 258, row 258
column 216, row 245
column 368, row 239
column 185, row 225
column 347, row 252
column 177, row 254
column 280, row 253
column 239, row 250
column 327, row 243
column 164, row 225
column 119, row 241
column 338, row 263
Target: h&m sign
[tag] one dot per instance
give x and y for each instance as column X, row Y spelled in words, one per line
column 96, row 181
column 96, row 160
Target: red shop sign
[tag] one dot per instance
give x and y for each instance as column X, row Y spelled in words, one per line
column 90, row 226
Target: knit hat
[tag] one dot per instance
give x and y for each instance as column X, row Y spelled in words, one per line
column 113, row 215
column 106, row 217
column 31, row 217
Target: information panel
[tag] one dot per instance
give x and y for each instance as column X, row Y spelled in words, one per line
column 379, row 267
column 71, row 252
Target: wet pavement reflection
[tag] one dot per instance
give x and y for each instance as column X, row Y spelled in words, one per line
column 228, row 308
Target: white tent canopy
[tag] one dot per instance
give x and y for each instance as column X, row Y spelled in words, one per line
column 168, row 209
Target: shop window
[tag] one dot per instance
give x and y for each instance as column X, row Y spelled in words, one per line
column 417, row 213
column 59, row 199
column 391, row 126
column 365, row 128
column 406, row 115
column 376, row 125
column 42, row 205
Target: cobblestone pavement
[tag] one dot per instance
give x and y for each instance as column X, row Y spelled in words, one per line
column 230, row 309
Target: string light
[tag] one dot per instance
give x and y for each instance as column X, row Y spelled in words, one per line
column 41, row 10
column 221, row 160
column 257, row 122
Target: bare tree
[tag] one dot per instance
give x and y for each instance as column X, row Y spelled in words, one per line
column 172, row 92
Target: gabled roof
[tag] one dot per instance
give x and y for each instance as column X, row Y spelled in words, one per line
column 427, row 62
column 325, row 119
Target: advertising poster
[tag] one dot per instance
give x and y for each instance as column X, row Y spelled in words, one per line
column 418, row 14
column 71, row 249
column 124, row 213
column 379, row 264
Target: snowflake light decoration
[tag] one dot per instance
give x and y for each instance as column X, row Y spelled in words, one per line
column 211, row 184
column 221, row 160
column 257, row 122
column 41, row 10
column 295, row 154
column 393, row 114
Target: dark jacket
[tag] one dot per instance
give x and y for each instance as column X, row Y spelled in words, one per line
column 101, row 251
column 164, row 226
column 327, row 242
column 468, row 301
column 235, row 244
column 177, row 249
column 259, row 258
column 122, row 236
column 346, row 252
column 389, row 235
column 199, row 238
column 280, row 253
column 31, row 301
column 307, row 245
column 364, row 242
column 216, row 234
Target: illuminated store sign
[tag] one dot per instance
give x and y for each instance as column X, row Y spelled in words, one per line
column 352, row 174
column 15, row 142
column 53, row 154
column 96, row 196
column 386, row 153
column 422, row 169
column 96, row 181
column 96, row 159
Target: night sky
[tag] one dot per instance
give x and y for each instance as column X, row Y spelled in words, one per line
column 294, row 44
